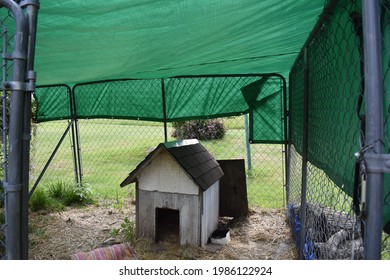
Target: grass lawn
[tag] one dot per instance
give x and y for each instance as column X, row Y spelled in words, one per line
column 110, row 149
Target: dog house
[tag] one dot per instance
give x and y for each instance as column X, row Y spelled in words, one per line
column 177, row 190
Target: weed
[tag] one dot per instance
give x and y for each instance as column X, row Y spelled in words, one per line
column 40, row 200
column 83, row 192
column 58, row 195
column 56, row 190
column 126, row 231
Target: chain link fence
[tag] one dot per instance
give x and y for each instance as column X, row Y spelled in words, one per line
column 327, row 129
column 7, row 24
column 385, row 30
column 294, row 163
column 112, row 126
column 110, row 149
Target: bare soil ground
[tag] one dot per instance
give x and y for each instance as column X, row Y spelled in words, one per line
column 263, row 234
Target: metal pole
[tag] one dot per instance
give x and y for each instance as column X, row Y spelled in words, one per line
column 78, row 143
column 13, row 187
column 288, row 115
column 50, row 159
column 32, row 7
column 73, row 138
column 285, row 138
column 76, row 136
column 4, row 108
column 4, row 131
column 164, row 110
column 248, row 145
column 374, row 127
column 304, row 154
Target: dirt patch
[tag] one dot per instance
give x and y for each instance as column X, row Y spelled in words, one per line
column 263, row 234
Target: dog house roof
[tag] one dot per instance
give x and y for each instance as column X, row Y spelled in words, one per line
column 193, row 158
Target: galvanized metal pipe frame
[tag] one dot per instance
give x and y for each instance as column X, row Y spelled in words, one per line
column 374, row 126
column 304, row 152
column 76, row 140
column 164, row 104
column 14, row 184
column 31, row 7
column 247, row 142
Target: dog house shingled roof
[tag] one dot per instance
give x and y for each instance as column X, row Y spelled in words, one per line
column 195, row 160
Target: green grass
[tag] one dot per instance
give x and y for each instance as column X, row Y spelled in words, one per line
column 113, row 148
column 55, row 196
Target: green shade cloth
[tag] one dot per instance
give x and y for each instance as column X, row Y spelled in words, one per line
column 265, row 99
column 334, row 85
column 53, row 103
column 84, row 41
column 180, row 98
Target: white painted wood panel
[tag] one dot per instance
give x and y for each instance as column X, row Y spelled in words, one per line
column 189, row 214
column 165, row 175
column 210, row 213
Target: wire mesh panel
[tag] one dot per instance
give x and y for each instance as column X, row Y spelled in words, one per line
column 295, row 146
column 334, row 85
column 263, row 162
column 7, row 39
column 52, row 154
column 385, row 29
column 109, row 146
column 111, row 149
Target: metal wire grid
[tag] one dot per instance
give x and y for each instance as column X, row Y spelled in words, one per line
column 334, row 130
column 110, row 149
column 385, row 29
column 7, row 41
column 294, row 164
column 48, row 164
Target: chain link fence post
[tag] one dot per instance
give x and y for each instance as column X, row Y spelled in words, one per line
column 14, row 185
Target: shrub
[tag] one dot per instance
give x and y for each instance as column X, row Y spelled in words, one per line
column 199, row 129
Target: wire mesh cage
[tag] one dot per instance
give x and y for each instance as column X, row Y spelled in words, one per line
column 110, row 139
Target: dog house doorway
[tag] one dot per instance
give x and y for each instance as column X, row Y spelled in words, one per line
column 167, row 225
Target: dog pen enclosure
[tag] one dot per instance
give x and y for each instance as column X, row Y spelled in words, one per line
column 323, row 129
